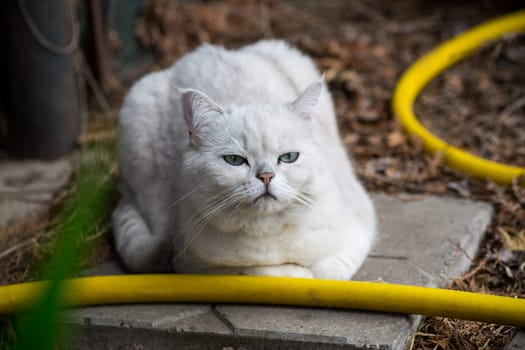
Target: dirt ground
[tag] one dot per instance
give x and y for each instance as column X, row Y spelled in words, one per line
column 363, row 47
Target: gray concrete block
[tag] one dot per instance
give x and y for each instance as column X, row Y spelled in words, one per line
column 107, row 268
column 517, row 342
column 423, row 241
column 96, row 338
column 28, row 186
column 145, row 327
column 317, row 325
column 137, row 316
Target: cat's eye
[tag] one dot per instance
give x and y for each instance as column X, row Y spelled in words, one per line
column 289, row 157
column 234, row 159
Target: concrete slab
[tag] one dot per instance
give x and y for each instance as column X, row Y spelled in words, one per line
column 423, row 241
column 336, row 327
column 28, row 186
column 518, row 342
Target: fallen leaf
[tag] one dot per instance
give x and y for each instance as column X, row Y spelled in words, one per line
column 395, row 138
column 460, row 187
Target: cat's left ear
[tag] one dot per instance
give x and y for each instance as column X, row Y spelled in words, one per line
column 306, row 104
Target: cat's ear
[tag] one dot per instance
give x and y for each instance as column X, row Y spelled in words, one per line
column 306, row 104
column 196, row 108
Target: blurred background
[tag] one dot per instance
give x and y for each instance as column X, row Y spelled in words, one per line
column 63, row 58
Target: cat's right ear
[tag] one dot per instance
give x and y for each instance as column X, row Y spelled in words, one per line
column 306, row 104
column 196, row 108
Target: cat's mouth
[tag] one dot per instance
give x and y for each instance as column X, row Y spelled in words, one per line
column 265, row 196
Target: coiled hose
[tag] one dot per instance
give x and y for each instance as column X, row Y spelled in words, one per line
column 432, row 64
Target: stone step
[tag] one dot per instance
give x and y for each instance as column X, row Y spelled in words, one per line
column 423, row 240
column 517, row 342
column 28, row 187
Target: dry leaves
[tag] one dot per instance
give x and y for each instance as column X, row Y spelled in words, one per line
column 173, row 27
column 513, row 239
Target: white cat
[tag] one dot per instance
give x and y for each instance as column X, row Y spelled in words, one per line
column 231, row 163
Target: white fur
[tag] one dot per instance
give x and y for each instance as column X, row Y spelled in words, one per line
column 184, row 208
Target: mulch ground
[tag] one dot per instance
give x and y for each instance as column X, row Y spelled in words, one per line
column 363, row 47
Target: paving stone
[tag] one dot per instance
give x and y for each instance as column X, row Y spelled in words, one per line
column 28, row 186
column 518, row 342
column 316, row 325
column 107, row 327
column 138, row 316
column 423, row 240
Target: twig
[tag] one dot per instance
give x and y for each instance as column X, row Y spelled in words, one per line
column 99, row 233
column 385, row 256
column 428, row 23
column 412, row 342
column 520, row 102
column 415, row 334
column 474, row 271
column 16, row 247
column 458, row 246
column 96, row 136
column 368, row 11
column 20, row 198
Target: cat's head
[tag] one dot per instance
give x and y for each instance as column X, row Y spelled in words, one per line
column 251, row 161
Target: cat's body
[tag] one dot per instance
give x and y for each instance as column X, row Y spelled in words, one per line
column 238, row 178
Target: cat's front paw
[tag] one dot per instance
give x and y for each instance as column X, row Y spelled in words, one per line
column 334, row 268
column 285, row 270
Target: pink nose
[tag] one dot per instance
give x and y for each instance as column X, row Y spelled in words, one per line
column 265, row 178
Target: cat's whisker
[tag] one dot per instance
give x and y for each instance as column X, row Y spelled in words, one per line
column 304, row 201
column 197, row 215
column 188, row 221
column 221, row 205
column 177, row 201
column 198, row 225
column 306, row 197
column 301, row 197
column 233, row 212
column 195, row 221
column 188, row 244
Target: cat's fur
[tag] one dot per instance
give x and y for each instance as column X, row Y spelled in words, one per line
column 184, row 208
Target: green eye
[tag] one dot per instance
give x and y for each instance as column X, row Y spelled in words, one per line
column 234, row 159
column 289, row 157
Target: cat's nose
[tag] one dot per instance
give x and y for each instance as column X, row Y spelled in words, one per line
column 265, row 177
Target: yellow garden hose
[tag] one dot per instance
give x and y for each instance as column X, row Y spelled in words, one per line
column 429, row 66
column 371, row 296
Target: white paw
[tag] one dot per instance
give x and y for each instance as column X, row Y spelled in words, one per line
column 286, row 270
column 334, row 268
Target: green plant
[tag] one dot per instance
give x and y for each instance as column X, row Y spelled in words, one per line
column 84, row 214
